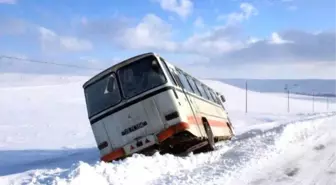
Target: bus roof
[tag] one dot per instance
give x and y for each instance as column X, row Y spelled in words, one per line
column 115, row 67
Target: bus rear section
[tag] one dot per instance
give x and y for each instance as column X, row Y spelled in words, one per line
column 135, row 107
column 139, row 127
column 131, row 108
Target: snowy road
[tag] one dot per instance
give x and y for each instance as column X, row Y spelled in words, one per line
column 300, row 152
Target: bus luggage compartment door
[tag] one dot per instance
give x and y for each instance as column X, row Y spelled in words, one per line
column 147, row 111
column 132, row 123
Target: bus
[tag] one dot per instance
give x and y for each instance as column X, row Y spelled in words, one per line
column 145, row 104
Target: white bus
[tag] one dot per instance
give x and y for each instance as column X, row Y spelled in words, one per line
column 145, row 104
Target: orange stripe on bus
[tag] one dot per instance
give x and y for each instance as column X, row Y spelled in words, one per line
column 113, row 155
column 161, row 137
column 191, row 120
column 166, row 134
column 172, row 130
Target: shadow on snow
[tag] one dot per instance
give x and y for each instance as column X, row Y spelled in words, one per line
column 17, row 161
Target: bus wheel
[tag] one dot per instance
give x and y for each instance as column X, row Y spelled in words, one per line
column 211, row 140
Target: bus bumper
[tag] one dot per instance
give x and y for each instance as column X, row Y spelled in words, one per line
column 145, row 142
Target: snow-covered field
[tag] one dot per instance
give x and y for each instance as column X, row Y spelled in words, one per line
column 45, row 138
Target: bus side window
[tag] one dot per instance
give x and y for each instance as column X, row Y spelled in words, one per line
column 214, row 96
column 178, row 80
column 200, row 87
column 169, row 72
column 192, row 83
column 207, row 90
column 184, row 81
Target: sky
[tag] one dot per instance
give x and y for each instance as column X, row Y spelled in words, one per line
column 271, row 39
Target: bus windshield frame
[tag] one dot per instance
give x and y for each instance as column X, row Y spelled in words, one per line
column 103, row 94
column 99, row 99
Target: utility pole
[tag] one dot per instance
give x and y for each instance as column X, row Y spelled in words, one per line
column 287, row 89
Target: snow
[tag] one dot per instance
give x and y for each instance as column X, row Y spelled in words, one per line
column 37, row 116
column 326, row 86
column 46, row 139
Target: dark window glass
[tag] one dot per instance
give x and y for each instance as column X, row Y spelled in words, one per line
column 176, row 77
column 140, row 76
column 102, row 95
column 200, row 87
column 206, row 90
column 170, row 74
column 215, row 96
column 184, row 81
column 193, row 85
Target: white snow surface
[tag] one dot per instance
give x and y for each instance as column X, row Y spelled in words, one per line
column 46, row 138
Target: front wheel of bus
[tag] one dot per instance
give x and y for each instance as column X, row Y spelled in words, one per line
column 211, row 140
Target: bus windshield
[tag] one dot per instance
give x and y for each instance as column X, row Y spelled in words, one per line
column 103, row 94
column 140, row 76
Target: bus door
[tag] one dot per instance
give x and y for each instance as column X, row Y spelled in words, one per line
column 195, row 99
column 192, row 103
column 197, row 112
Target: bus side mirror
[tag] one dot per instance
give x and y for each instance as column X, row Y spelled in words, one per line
column 155, row 66
column 110, row 86
column 222, row 98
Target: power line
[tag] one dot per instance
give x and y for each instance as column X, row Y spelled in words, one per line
column 45, row 62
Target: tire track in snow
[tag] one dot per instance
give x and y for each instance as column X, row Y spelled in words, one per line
column 318, row 166
column 245, row 149
column 303, row 161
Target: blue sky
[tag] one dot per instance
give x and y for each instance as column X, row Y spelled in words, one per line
column 210, row 38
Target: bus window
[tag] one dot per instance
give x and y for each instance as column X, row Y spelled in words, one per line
column 204, row 90
column 200, row 87
column 169, row 72
column 103, row 94
column 141, row 76
column 184, row 82
column 207, row 90
column 215, row 96
column 178, row 80
column 193, row 85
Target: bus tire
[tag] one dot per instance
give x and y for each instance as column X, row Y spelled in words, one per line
column 211, row 139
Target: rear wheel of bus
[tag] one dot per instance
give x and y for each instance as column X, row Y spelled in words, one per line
column 208, row 131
